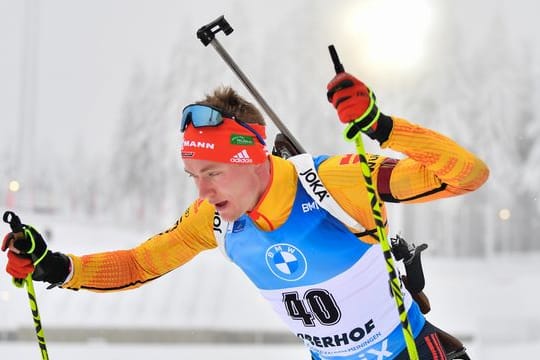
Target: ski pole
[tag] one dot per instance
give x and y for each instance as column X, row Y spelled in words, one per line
column 381, row 231
column 207, row 36
column 16, row 226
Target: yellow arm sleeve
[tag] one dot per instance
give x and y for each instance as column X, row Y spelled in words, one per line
column 127, row 269
column 435, row 167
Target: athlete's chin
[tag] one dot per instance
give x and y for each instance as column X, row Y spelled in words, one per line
column 228, row 215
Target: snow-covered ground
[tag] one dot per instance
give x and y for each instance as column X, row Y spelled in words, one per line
column 491, row 304
column 95, row 351
column 92, row 351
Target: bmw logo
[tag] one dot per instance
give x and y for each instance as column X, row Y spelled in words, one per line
column 286, row 262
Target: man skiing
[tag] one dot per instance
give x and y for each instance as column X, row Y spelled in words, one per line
column 301, row 228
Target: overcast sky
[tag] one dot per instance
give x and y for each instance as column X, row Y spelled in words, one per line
column 87, row 50
column 86, row 53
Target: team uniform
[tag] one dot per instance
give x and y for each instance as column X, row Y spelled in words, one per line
column 326, row 280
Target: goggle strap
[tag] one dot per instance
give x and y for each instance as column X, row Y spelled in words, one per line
column 246, row 125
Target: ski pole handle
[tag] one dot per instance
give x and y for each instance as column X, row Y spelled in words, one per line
column 16, row 226
column 13, row 220
column 338, row 66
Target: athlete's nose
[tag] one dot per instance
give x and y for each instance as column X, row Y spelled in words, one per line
column 205, row 188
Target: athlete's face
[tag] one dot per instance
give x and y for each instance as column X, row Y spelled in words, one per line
column 232, row 189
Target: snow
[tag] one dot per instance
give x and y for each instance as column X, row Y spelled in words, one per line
column 135, row 352
column 525, row 350
column 490, row 304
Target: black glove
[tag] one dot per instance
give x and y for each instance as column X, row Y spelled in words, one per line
column 28, row 246
column 27, row 242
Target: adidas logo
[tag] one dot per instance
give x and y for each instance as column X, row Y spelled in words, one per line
column 242, row 157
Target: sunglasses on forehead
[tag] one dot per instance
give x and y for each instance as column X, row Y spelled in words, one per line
column 208, row 116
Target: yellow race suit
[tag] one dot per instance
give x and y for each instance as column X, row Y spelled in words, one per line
column 434, row 167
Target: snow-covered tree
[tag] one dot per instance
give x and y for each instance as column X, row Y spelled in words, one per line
column 482, row 93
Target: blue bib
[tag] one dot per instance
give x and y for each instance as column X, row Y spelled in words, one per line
column 330, row 288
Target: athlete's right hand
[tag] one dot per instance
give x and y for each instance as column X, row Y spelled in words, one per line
column 26, row 243
column 27, row 248
column 28, row 254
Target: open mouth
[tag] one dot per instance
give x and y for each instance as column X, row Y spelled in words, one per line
column 221, row 205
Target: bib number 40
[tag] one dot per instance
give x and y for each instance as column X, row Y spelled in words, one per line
column 316, row 304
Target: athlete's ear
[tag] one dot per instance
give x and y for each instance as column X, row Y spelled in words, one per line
column 262, row 168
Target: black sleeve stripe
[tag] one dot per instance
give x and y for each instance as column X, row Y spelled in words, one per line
column 123, row 287
column 372, row 233
column 390, row 198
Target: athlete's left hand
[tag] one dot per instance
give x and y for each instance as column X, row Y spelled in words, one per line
column 354, row 101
